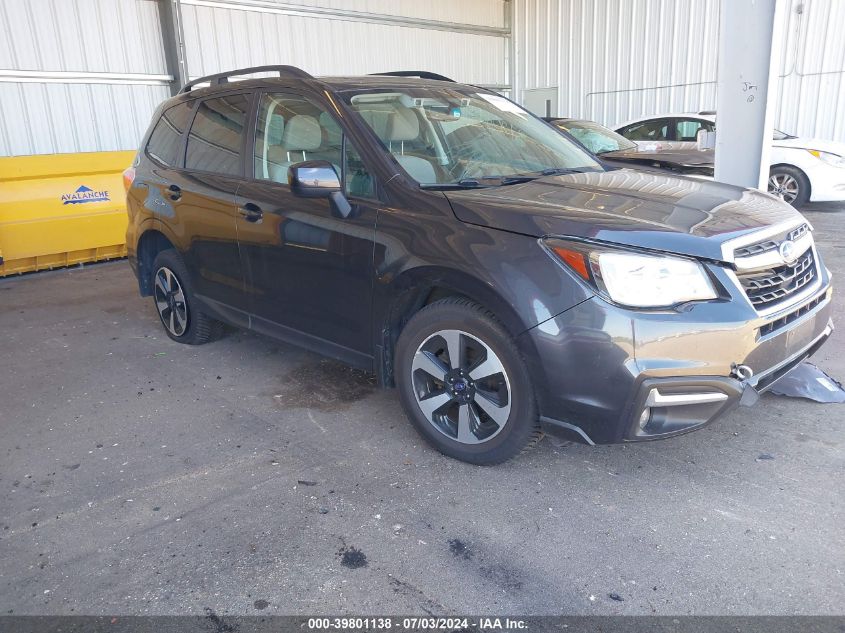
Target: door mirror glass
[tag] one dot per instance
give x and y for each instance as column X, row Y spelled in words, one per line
column 313, row 179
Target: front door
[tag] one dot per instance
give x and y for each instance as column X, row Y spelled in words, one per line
column 308, row 271
column 686, row 132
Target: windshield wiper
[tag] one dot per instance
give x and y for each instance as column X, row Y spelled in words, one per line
column 466, row 183
column 551, row 171
column 515, row 180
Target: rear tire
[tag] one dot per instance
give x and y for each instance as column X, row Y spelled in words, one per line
column 181, row 316
column 463, row 384
column 790, row 184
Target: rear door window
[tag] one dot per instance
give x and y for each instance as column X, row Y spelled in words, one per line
column 687, row 129
column 166, row 139
column 217, row 134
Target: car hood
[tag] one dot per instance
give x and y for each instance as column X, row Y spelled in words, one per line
column 684, row 157
column 812, row 143
column 646, row 210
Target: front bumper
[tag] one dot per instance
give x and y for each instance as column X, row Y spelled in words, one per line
column 599, row 367
column 827, row 182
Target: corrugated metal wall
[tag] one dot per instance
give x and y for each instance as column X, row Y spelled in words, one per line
column 614, row 60
column 78, row 75
column 85, row 75
column 812, row 85
column 359, row 38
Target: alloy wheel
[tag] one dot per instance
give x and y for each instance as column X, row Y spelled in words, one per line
column 461, row 386
column 170, row 302
column 784, row 187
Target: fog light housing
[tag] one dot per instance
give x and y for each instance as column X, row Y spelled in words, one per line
column 645, row 418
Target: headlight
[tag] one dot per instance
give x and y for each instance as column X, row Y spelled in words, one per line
column 633, row 279
column 831, row 159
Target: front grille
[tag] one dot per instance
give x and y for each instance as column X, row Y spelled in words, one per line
column 786, row 319
column 771, row 286
column 771, row 244
column 795, row 234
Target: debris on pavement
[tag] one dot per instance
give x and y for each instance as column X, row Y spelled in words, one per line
column 810, row 382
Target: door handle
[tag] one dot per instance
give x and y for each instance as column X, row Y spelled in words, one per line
column 175, row 192
column 251, row 212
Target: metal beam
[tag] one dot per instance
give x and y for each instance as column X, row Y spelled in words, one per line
column 284, row 8
column 173, row 42
column 74, row 77
column 750, row 40
column 510, row 14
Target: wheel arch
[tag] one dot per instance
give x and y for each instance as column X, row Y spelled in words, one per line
column 150, row 244
column 414, row 289
column 798, row 169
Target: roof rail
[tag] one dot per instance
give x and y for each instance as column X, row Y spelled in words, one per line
column 422, row 74
column 223, row 78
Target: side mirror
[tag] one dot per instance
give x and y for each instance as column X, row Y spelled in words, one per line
column 318, row 179
column 313, row 179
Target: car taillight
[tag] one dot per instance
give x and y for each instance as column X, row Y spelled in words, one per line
column 128, row 177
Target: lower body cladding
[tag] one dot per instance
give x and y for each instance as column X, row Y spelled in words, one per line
column 605, row 374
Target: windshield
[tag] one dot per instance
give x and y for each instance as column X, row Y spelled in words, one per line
column 463, row 137
column 596, row 138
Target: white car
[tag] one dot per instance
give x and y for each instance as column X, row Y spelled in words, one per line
column 802, row 169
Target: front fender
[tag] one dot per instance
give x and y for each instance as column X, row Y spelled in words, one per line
column 508, row 273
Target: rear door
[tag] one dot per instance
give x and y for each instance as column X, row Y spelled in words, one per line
column 204, row 210
column 308, row 271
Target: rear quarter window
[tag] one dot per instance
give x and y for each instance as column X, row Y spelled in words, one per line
column 166, row 138
column 217, row 133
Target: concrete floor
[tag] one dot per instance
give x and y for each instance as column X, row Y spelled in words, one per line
column 139, row 476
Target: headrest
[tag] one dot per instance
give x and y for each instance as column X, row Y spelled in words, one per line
column 402, row 125
column 333, row 131
column 302, row 132
column 376, row 119
column 275, row 129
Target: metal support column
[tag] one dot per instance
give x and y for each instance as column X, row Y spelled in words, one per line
column 173, row 39
column 750, row 40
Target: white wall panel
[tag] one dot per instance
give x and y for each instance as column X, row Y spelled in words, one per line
column 225, row 36
column 59, row 118
column 614, row 60
column 72, row 113
column 62, row 37
column 482, row 12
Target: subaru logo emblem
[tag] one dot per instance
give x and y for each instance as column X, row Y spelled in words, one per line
column 787, row 251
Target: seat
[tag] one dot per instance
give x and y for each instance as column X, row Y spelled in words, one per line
column 275, row 128
column 402, row 126
column 301, row 135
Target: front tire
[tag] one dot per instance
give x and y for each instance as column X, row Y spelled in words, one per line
column 463, row 384
column 790, row 184
column 177, row 308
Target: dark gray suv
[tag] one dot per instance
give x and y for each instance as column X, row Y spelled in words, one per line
column 444, row 238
